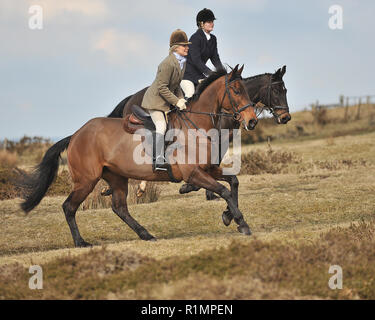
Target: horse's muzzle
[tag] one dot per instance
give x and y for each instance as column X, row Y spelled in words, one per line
column 285, row 119
column 252, row 124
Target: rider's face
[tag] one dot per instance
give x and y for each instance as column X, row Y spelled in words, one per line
column 208, row 26
column 182, row 50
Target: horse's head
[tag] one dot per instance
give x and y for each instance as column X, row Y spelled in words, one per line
column 269, row 90
column 236, row 100
column 278, row 104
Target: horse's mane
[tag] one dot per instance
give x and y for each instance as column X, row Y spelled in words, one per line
column 206, row 82
column 257, row 76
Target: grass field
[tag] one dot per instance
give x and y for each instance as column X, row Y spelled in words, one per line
column 317, row 211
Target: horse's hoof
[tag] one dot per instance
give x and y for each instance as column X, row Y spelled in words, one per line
column 227, row 218
column 83, row 244
column 186, row 188
column 106, row 192
column 140, row 192
column 147, row 237
column 213, row 198
column 244, row 229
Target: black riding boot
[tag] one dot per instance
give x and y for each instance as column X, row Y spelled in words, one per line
column 159, row 162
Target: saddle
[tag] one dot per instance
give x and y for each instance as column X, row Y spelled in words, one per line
column 138, row 118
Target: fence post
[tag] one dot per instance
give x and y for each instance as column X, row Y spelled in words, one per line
column 346, row 109
column 341, row 99
column 5, row 144
column 359, row 108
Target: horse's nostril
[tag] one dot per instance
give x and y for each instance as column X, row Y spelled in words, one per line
column 253, row 123
column 287, row 118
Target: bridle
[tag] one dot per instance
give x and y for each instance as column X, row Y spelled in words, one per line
column 236, row 115
column 236, row 111
column 269, row 106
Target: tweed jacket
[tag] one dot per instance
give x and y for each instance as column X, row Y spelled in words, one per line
column 165, row 90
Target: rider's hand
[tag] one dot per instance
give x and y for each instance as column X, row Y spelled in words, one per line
column 181, row 104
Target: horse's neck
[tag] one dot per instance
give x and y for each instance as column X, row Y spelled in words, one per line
column 206, row 103
column 254, row 85
column 206, row 99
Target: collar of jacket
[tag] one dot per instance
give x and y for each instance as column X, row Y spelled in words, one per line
column 203, row 34
column 177, row 64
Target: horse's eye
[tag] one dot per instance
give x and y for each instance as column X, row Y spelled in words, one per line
column 237, row 92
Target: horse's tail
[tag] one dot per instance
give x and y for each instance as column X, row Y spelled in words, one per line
column 36, row 184
column 118, row 111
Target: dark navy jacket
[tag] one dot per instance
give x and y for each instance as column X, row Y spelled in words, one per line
column 200, row 51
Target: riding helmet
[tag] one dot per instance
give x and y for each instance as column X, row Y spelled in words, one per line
column 178, row 37
column 204, row 16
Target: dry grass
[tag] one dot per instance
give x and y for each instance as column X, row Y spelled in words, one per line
column 304, row 125
column 257, row 270
column 259, row 161
column 8, row 159
column 95, row 200
column 318, row 210
column 151, row 194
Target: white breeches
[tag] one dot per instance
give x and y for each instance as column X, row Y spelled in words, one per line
column 159, row 120
column 188, row 87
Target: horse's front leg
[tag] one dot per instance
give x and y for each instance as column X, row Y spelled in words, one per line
column 217, row 173
column 208, row 181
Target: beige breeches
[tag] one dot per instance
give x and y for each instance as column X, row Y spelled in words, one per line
column 159, row 120
column 188, row 87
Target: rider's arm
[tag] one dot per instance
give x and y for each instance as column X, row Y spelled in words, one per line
column 163, row 77
column 195, row 54
column 179, row 93
column 215, row 59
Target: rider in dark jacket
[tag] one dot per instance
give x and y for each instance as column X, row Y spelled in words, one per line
column 203, row 47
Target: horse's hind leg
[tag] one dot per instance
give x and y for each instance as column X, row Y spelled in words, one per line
column 70, row 207
column 119, row 186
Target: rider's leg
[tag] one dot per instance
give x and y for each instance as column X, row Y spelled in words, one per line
column 188, row 88
column 161, row 126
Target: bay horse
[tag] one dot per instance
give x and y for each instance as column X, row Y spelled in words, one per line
column 101, row 149
column 266, row 90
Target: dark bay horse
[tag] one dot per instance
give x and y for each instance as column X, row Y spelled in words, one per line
column 102, row 149
column 266, row 90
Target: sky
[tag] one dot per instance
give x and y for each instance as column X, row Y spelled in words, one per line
column 90, row 54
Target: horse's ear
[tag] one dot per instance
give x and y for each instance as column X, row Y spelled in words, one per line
column 277, row 74
column 283, row 70
column 233, row 73
column 240, row 70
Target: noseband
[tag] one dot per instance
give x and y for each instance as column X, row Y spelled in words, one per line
column 269, row 106
column 236, row 111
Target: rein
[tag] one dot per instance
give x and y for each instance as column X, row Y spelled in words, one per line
column 236, row 115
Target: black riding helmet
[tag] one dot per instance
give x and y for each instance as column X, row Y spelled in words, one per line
column 204, row 16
